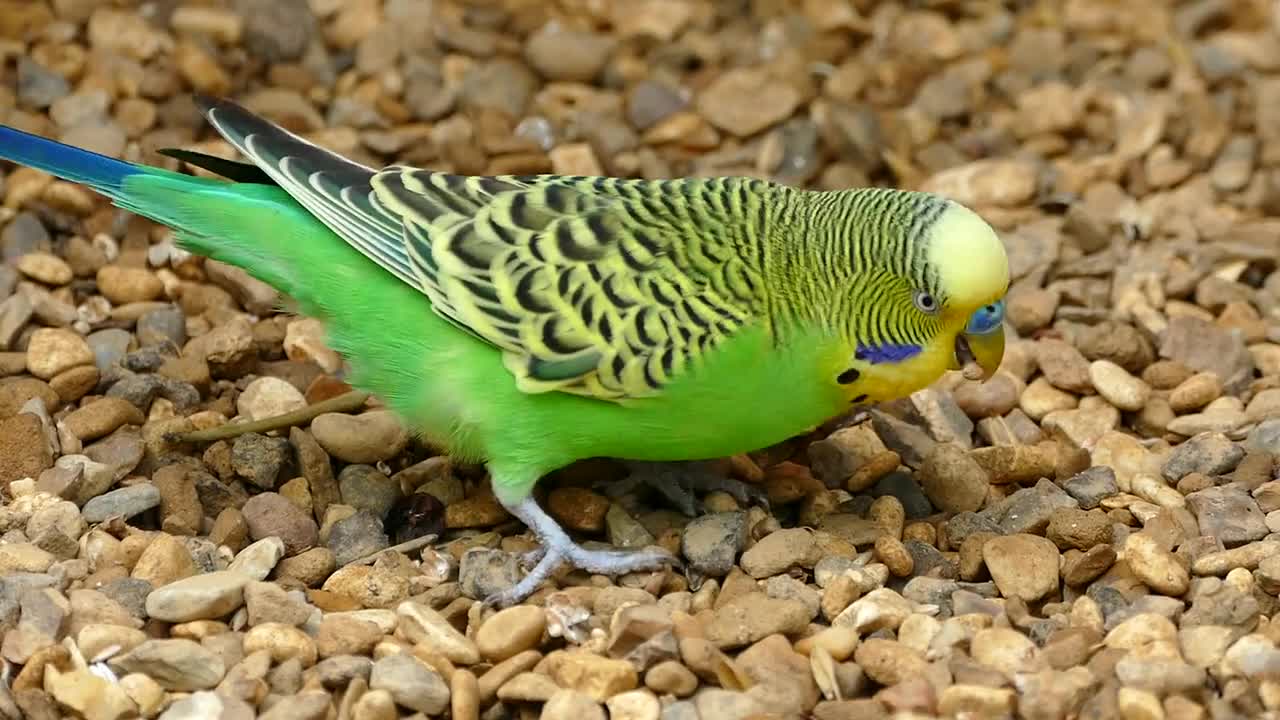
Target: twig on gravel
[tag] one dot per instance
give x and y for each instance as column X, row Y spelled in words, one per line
column 407, row 546
column 346, row 402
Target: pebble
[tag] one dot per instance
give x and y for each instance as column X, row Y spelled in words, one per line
column 51, row 351
column 1121, row 389
column 367, row 438
column 178, row 665
column 411, row 683
column 510, row 632
column 201, row 597
column 953, row 480
column 124, row 503
column 745, row 101
column 711, row 543
column 1206, row 453
column 267, row 397
column 780, row 550
column 283, row 643
column 1155, row 566
column 355, row 537
column 422, row 624
column 1023, row 566
column 365, row 487
column 271, row 515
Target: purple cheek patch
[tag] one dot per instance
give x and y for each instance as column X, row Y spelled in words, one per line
column 886, row 353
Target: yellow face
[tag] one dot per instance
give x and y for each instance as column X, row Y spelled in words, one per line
column 966, row 318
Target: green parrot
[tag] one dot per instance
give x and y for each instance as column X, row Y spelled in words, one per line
column 528, row 322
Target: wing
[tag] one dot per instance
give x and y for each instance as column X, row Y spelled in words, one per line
column 602, row 287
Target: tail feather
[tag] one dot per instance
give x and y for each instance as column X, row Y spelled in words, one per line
column 102, row 173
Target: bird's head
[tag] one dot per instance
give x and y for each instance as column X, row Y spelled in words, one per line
column 929, row 289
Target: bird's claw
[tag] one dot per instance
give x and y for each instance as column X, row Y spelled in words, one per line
column 600, row 562
column 678, row 482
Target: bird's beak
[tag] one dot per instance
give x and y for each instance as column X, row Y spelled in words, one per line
column 979, row 356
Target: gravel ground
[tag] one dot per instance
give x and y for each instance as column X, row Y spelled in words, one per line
column 1093, row 533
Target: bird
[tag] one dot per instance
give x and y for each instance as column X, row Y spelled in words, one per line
column 526, row 322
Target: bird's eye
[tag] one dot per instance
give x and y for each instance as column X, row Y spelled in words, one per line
column 986, row 319
column 925, row 302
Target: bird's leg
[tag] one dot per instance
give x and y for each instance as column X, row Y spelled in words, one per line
column 678, row 482
column 558, row 547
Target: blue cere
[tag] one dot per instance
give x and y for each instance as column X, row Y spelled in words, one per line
column 886, row 353
column 987, row 319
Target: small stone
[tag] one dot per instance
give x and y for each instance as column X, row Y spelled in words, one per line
column 1229, row 513
column 178, row 665
column 101, row 418
column 411, row 683
column 341, row 636
column 1155, row 566
column 744, row 101
column 365, row 487
column 93, row 697
column 51, row 351
column 1041, row 398
column 753, row 616
column 123, row 503
column 267, row 602
column 1063, row 366
column 1080, row 529
column 258, row 560
column 45, row 268
column 483, row 572
column 953, row 480
column 1208, row 453
column 201, row 597
column 1121, row 389
column 578, row 508
column 269, row 514
column 510, row 632
column 372, row 587
column 164, row 560
column 368, row 438
column 888, row 662
column 780, row 550
column 260, row 459
column 283, row 642
column 1195, row 392
column 421, row 624
column 1092, row 486
column 571, row 705
column 590, row 674
column 268, row 397
column 357, row 536
column 712, row 542
column 1023, row 566
column 124, row 285
column 671, row 678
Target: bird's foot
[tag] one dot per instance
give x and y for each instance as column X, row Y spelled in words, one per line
column 678, row 482
column 557, row 548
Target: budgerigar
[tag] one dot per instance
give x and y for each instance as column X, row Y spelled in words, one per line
column 527, row 322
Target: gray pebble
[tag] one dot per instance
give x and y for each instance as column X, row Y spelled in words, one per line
column 260, row 459
column 1028, row 510
column 131, row 593
column 124, row 502
column 365, row 487
column 1090, row 487
column 357, row 536
column 483, row 572
column 140, row 390
column 38, row 86
column 23, row 235
column 1208, row 453
column 1228, row 513
column 711, row 543
column 904, row 487
column 1266, row 437
column 161, row 326
column 109, row 347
